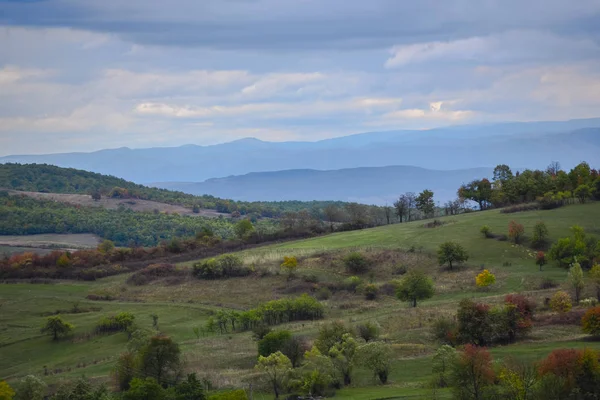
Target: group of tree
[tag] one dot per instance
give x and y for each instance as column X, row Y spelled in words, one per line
column 274, row 312
column 552, row 187
column 578, row 248
column 411, row 206
column 288, row 365
column 483, row 325
column 473, row 374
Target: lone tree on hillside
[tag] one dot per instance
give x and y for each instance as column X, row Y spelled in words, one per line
column 56, row 326
column 415, row 286
column 425, row 203
column 451, row 252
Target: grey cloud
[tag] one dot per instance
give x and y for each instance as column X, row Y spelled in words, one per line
column 311, row 24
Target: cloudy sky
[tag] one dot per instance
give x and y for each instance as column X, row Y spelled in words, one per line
column 80, row 75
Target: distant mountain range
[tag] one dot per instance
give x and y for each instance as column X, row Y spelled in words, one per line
column 371, row 185
column 370, row 167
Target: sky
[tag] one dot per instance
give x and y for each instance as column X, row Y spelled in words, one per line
column 82, row 75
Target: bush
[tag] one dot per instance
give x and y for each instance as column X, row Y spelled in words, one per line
column 521, row 208
column 486, row 231
column 353, row 283
column 331, row 334
column 371, row 291
column 516, row 232
column 356, row 263
column 226, row 266
column 540, row 235
column 273, row 342
column 323, row 293
column 561, row 302
column 451, row 252
column 115, row 323
column 368, row 331
column 485, row 279
column 445, row 331
column 590, row 322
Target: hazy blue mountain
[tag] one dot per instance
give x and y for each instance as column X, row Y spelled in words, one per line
column 526, row 145
column 373, row 185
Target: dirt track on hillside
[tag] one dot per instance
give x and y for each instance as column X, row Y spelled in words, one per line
column 113, row 204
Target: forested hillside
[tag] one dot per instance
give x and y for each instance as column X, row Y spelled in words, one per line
column 52, row 179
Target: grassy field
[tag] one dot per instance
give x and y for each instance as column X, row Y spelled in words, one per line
column 228, row 359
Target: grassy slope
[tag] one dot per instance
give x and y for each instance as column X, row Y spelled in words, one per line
column 227, row 358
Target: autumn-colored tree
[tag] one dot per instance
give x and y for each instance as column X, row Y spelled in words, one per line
column 289, row 264
column 473, row 322
column 591, row 321
column 485, row 279
column 472, row 373
column 516, row 232
column 561, row 302
column 6, row 392
column 540, row 260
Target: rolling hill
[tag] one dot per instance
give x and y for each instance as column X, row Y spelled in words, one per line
column 526, row 145
column 374, row 185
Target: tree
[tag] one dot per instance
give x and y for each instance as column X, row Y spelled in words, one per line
column 290, row 264
column 576, row 280
column 124, row 370
column 6, row 392
column 160, row 359
column 190, row 389
column 583, row 192
column 106, row 246
column 474, row 324
column 518, row 379
column 561, row 302
column 96, row 195
column 276, row 367
column 368, row 331
column 356, row 263
column 317, row 373
column 30, row 388
column 273, row 342
column 333, row 214
column 377, row 357
column 515, row 231
column 145, row 389
column 330, row 335
column 502, row 173
column 485, row 279
column 243, row 228
column 451, row 252
column 540, row 260
column 540, row 235
column 590, row 322
column 472, row 373
column 594, row 276
column 401, row 207
column 553, row 169
column 342, row 355
column 425, row 203
column 444, row 358
column 415, row 286
column 479, row 191
column 388, row 211
column 56, row 326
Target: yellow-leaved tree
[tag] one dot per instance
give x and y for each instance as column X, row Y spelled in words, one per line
column 485, row 279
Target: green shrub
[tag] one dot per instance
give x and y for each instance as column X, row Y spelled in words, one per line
column 323, row 293
column 356, row 263
column 371, row 291
column 368, row 331
column 273, row 342
column 485, row 231
column 115, row 323
column 226, row 266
